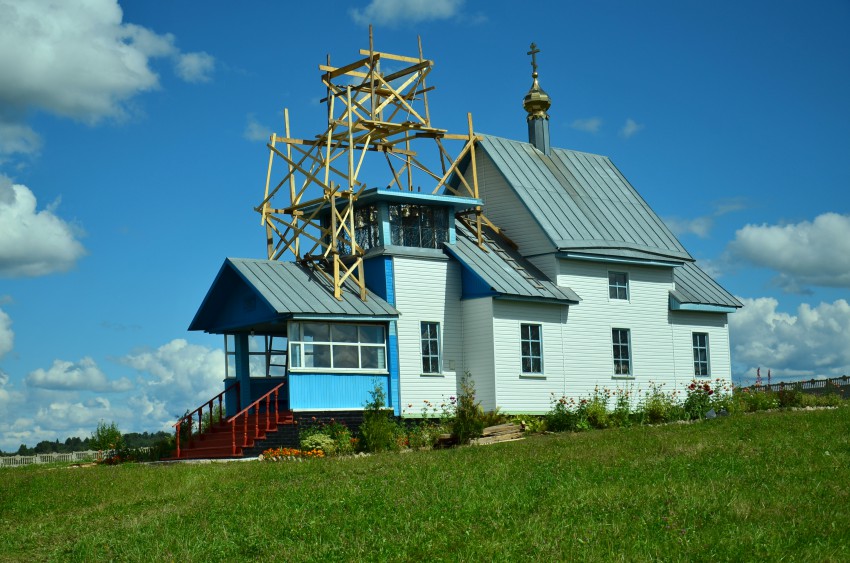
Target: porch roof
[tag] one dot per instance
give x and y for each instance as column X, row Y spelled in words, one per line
column 261, row 295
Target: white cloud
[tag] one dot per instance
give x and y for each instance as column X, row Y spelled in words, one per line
column 814, row 342
column 17, row 138
column 256, row 131
column 81, row 376
column 630, row 128
column 701, row 226
column 33, row 243
column 181, row 373
column 393, row 12
column 195, row 67
column 805, row 253
column 7, row 336
column 77, row 60
column 590, row 124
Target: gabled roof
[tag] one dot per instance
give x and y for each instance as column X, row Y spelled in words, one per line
column 695, row 287
column 259, row 294
column 503, row 270
column 582, row 202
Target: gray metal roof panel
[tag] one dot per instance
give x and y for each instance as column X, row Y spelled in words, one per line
column 293, row 289
column 502, row 276
column 581, row 199
column 695, row 286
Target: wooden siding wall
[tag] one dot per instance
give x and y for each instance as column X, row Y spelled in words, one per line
column 428, row 290
column 478, row 348
column 522, row 394
column 685, row 323
column 588, row 332
column 505, row 210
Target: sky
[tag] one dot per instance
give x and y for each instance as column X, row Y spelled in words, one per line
column 132, row 154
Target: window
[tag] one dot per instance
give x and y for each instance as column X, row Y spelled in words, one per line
column 337, row 346
column 430, row 347
column 424, row 226
column 531, row 348
column 622, row 354
column 700, row 353
column 618, row 285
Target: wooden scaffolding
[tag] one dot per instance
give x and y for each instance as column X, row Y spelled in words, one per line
column 370, row 112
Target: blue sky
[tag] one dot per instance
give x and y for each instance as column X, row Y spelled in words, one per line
column 132, row 152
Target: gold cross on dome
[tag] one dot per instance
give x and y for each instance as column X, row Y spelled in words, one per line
column 533, row 53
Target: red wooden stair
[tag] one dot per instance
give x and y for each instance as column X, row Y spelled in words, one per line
column 231, row 437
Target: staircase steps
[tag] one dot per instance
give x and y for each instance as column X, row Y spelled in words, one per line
column 217, row 441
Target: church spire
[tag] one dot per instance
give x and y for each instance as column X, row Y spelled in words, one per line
column 536, row 103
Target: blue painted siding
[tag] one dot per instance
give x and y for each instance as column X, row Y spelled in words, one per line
column 393, row 393
column 378, row 272
column 320, row 391
column 473, row 286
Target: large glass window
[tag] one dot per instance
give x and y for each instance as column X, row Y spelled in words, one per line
column 618, row 285
column 622, row 351
column 337, row 346
column 430, row 347
column 700, row 353
column 423, row 226
column 367, row 228
column 531, row 348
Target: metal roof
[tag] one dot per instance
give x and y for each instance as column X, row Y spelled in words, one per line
column 695, row 286
column 504, row 270
column 291, row 288
column 286, row 290
column 581, row 200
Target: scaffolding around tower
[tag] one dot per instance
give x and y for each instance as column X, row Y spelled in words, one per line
column 372, row 115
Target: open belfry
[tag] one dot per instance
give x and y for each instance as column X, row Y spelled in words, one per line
column 371, row 115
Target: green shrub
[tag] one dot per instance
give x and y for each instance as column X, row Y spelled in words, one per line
column 468, row 420
column 531, row 424
column 752, row 401
column 378, row 431
column 790, row 397
column 596, row 410
column 107, row 437
column 423, row 434
column 319, row 441
column 829, row 400
column 622, row 414
column 560, row 417
column 657, row 406
column 698, row 400
column 493, row 418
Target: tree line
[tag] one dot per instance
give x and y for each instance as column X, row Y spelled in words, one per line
column 75, row 444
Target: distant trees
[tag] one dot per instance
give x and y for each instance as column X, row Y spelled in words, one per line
column 75, row 444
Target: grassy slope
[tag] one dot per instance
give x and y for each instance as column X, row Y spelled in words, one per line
column 750, row 487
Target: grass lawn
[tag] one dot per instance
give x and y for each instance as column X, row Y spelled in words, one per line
column 765, row 486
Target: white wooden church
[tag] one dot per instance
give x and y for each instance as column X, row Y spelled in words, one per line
column 571, row 282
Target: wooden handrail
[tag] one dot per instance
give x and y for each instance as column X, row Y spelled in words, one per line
column 234, row 420
column 189, row 418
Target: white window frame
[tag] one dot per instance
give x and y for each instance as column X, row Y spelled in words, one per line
column 698, row 362
column 531, row 356
column 297, row 348
column 437, row 341
column 613, row 284
column 617, row 342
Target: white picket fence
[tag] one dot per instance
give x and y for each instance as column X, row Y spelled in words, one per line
column 89, row 455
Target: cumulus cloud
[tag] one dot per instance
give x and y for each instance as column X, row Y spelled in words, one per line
column 256, row 131
column 195, row 67
column 589, row 125
column 7, row 336
column 81, row 376
column 77, row 60
column 805, row 253
column 392, row 12
column 701, row 226
column 814, row 342
column 180, row 372
column 33, row 243
column 630, row 128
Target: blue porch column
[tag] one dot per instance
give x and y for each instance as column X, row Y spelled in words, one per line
column 243, row 370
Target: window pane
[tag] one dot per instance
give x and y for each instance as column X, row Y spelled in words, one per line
column 345, row 357
column 372, row 357
column 526, row 365
column 344, row 333
column 318, row 332
column 317, row 356
column 537, row 365
column 372, row 334
column 526, row 348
